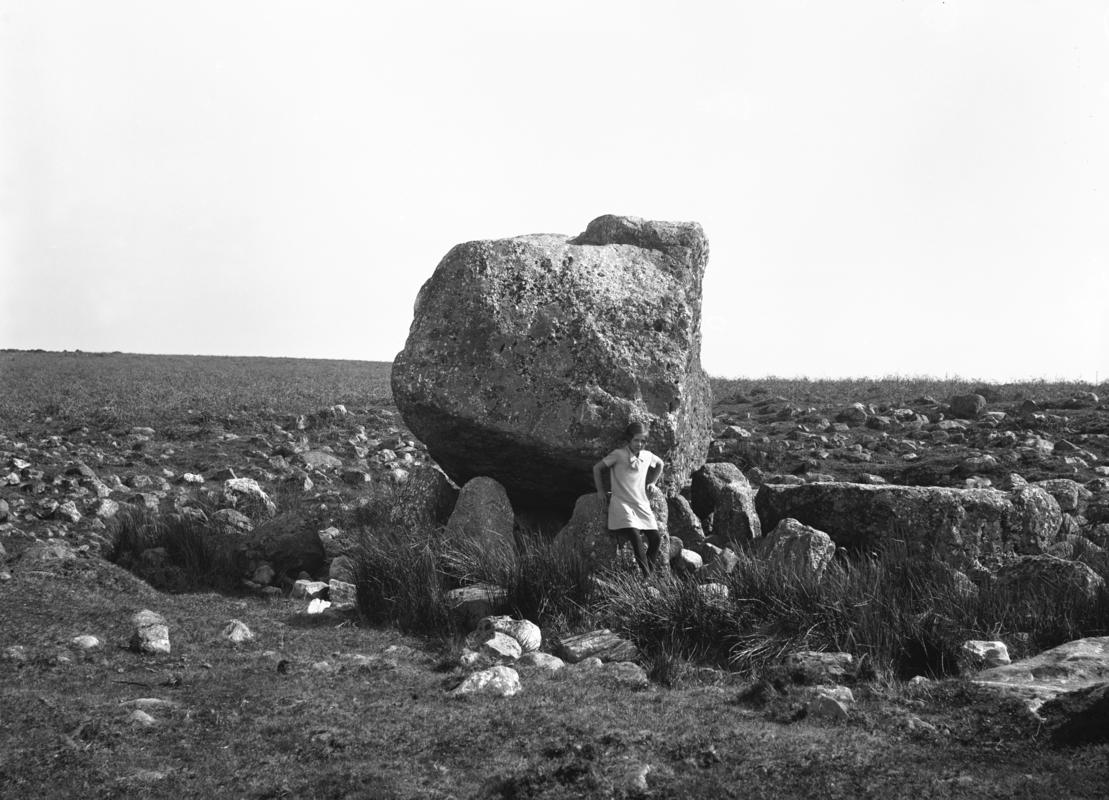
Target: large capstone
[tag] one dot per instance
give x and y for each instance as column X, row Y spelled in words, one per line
column 528, row 356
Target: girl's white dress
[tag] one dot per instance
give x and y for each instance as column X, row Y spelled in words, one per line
column 629, row 506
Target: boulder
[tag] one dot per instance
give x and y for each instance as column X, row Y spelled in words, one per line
column 1070, row 495
column 958, row 526
column 1033, row 576
column 722, row 491
column 586, row 534
column 797, row 547
column 967, row 406
column 1075, row 665
column 483, row 516
column 1080, row 716
column 528, row 356
column 428, row 497
column 682, row 522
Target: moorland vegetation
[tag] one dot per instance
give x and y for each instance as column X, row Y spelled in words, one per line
column 357, row 704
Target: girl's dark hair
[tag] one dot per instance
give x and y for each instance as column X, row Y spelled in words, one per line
column 634, row 429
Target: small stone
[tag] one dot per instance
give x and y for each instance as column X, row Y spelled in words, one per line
column 543, row 661
column 498, row 681
column 501, row 647
column 140, row 719
column 984, row 655
column 318, row 606
column 151, row 634
column 237, row 632
column 308, row 589
column 342, row 593
column 85, row 642
column 263, row 575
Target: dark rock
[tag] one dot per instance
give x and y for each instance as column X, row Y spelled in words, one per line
column 957, row 525
column 1040, row 575
column 1079, row 717
column 721, row 491
column 427, row 498
column 682, row 522
column 967, row 406
column 528, row 356
column 483, row 516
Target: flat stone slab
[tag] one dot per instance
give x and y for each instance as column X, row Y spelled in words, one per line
column 1074, row 665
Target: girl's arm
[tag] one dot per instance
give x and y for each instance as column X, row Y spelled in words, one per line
column 599, row 483
column 654, row 473
column 599, row 480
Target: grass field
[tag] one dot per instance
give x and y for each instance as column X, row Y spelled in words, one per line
column 339, row 707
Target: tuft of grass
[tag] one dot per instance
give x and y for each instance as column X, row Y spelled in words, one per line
column 898, row 613
column 172, row 552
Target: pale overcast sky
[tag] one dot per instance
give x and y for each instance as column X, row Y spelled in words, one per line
column 906, row 188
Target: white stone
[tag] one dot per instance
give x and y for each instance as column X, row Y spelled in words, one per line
column 501, row 647
column 524, row 631
column 237, row 632
column 499, row 681
column 543, row 661
column 85, row 642
column 690, row 560
column 318, row 606
column 308, row 589
column 140, row 719
column 713, row 592
column 985, row 655
column 151, row 633
column 826, row 707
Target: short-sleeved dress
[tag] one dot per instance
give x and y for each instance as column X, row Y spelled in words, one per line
column 629, row 506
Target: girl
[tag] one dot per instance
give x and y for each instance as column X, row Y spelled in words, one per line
column 632, row 468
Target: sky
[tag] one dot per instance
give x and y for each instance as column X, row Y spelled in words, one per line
column 889, row 188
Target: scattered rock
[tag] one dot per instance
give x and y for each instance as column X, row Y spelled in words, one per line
column 602, row 644
column 797, row 548
column 151, row 633
column 237, row 632
column 977, row 654
column 967, row 406
column 812, row 666
column 1047, row 575
column 498, row 681
column 245, row 495
column 524, row 631
column 472, row 603
column 722, row 491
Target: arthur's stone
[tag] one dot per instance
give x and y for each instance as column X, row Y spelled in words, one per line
column 527, row 356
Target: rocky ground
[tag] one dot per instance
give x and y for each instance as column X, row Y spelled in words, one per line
column 243, row 457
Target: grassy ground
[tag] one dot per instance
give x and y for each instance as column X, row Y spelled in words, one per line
column 293, row 714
